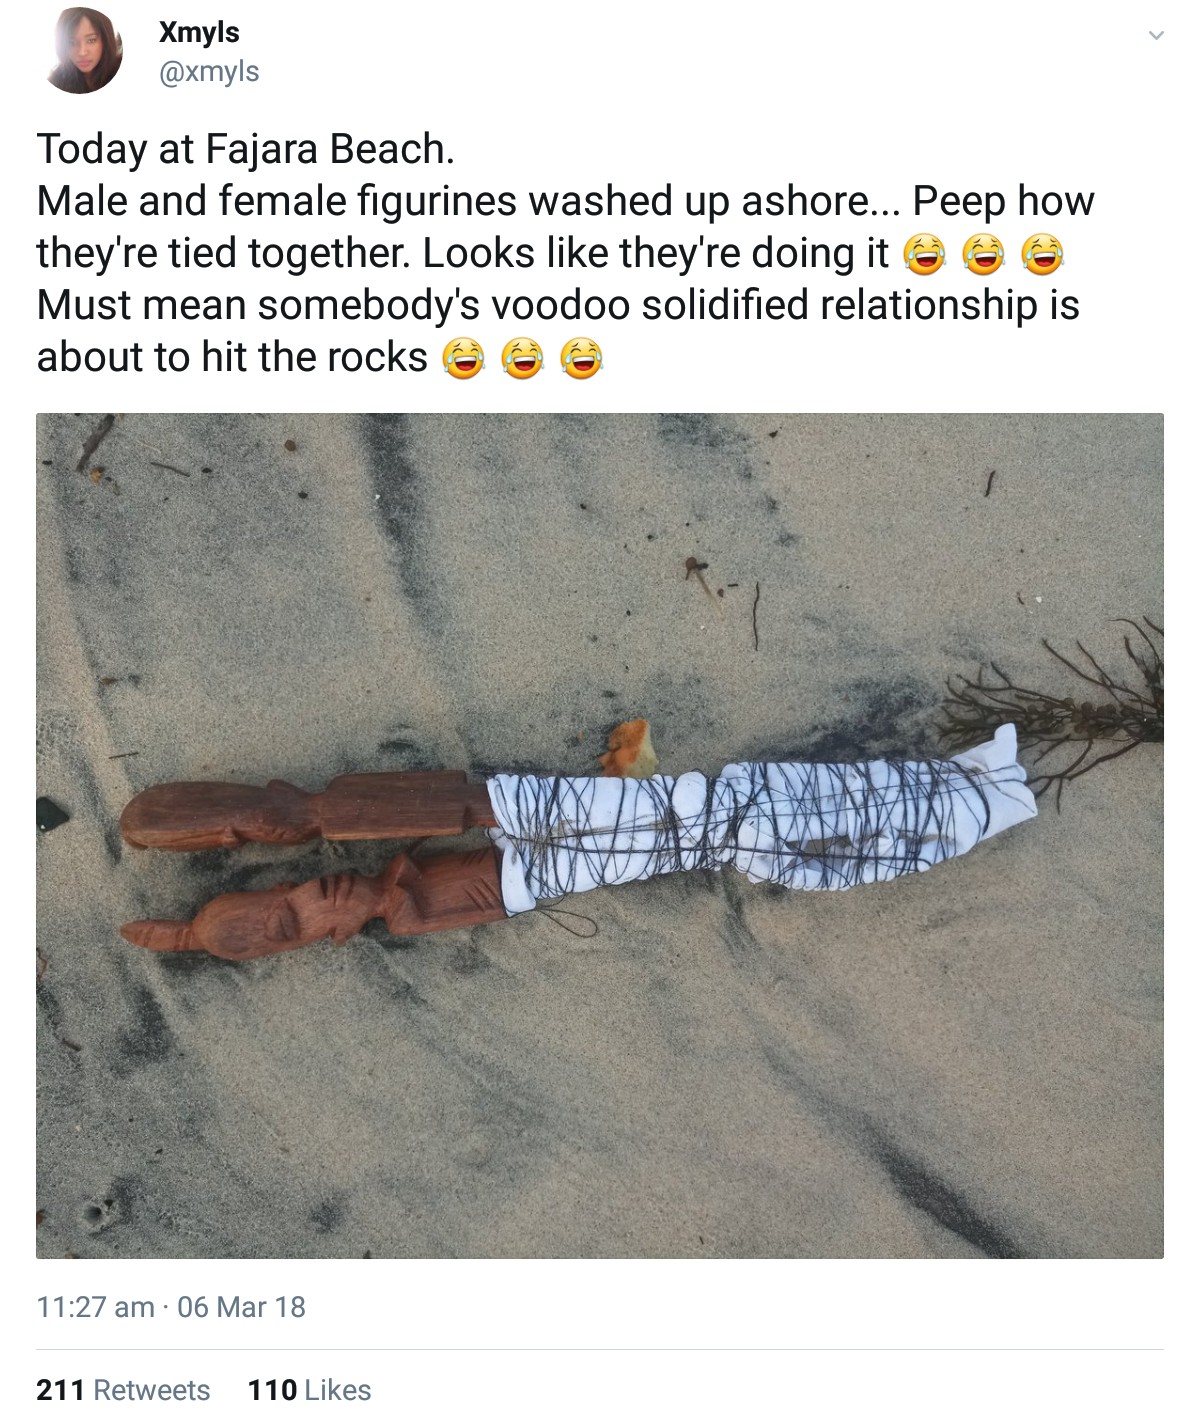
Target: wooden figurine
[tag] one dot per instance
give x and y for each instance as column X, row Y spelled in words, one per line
column 191, row 817
column 805, row 826
column 413, row 897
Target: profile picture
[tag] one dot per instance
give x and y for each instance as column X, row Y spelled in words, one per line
column 88, row 49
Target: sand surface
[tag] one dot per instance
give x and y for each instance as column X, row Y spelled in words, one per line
column 961, row 1064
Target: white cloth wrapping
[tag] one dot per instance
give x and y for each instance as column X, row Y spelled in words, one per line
column 805, row 826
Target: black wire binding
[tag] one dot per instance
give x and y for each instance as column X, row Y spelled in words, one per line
column 806, row 826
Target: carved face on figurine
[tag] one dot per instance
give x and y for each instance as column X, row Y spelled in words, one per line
column 247, row 925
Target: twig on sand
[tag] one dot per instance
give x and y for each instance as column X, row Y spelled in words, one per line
column 693, row 565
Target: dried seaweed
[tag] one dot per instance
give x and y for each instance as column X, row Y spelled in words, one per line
column 1091, row 731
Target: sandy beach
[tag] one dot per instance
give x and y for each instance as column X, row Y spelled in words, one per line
column 965, row 1063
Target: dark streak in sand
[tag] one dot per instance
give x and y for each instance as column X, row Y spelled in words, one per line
column 739, row 938
column 112, row 839
column 872, row 728
column 327, row 1216
column 92, row 442
column 147, row 1039
column 933, row 1197
column 232, row 875
column 913, row 1182
column 51, row 1011
column 405, row 517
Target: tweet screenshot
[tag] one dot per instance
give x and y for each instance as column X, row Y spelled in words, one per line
column 596, row 581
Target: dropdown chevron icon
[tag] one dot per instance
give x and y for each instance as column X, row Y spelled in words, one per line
column 1159, row 35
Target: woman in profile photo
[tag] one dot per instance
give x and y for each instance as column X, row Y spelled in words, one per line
column 89, row 51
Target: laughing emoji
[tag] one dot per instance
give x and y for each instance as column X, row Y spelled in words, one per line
column 983, row 254
column 581, row 357
column 1041, row 254
column 924, row 254
column 463, row 358
column 522, row 358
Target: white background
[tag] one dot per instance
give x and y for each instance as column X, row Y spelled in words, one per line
column 875, row 98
